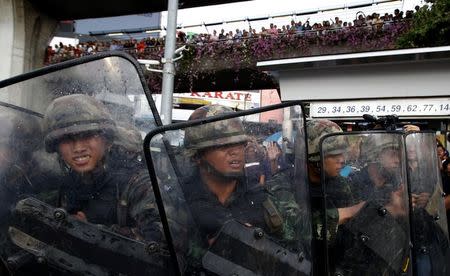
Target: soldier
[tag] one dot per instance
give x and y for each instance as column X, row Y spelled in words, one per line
column 95, row 189
column 341, row 203
column 218, row 190
column 21, row 175
column 376, row 240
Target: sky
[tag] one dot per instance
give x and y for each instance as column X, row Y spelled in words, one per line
column 267, row 8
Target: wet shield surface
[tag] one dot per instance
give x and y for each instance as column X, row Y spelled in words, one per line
column 428, row 216
column 234, row 190
column 75, row 195
column 365, row 185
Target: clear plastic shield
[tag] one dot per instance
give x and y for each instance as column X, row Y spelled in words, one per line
column 75, row 194
column 235, row 192
column 367, row 191
column 428, row 219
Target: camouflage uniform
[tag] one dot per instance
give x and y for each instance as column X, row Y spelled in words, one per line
column 112, row 195
column 250, row 202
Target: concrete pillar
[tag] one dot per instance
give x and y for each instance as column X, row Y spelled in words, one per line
column 24, row 35
column 7, row 37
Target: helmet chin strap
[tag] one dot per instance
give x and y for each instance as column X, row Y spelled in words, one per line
column 225, row 177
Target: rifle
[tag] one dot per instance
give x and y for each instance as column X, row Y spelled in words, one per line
column 243, row 250
column 53, row 236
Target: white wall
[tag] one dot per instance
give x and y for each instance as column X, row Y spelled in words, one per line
column 415, row 79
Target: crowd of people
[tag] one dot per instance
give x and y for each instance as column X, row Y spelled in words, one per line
column 374, row 21
column 153, row 46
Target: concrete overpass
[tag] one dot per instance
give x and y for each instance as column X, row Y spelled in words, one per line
column 27, row 26
column 25, row 32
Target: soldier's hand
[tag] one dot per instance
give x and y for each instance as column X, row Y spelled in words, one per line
column 420, row 200
column 129, row 232
column 447, row 202
column 409, row 128
column 348, row 213
column 273, row 151
column 80, row 216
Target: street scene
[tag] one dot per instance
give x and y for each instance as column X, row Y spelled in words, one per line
column 219, row 137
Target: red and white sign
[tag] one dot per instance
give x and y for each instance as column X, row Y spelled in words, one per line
column 241, row 100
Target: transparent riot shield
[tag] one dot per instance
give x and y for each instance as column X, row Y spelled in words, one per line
column 366, row 203
column 234, row 190
column 75, row 194
column 428, row 215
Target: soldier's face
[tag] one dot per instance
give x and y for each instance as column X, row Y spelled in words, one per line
column 333, row 164
column 227, row 159
column 441, row 153
column 390, row 159
column 83, row 153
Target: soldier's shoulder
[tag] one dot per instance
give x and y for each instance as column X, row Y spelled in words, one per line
column 139, row 177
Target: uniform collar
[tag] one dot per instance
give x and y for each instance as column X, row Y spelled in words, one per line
column 199, row 190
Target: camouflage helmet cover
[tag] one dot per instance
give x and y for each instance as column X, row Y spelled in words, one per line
column 316, row 129
column 128, row 138
column 75, row 114
column 217, row 133
column 373, row 145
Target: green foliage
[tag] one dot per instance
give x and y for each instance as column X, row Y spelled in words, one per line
column 431, row 27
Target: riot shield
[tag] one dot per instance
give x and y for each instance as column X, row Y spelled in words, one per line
column 75, row 195
column 428, row 215
column 367, row 189
column 234, row 191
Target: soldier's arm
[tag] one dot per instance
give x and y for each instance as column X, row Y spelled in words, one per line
column 345, row 214
column 334, row 217
column 142, row 208
column 294, row 223
column 144, row 211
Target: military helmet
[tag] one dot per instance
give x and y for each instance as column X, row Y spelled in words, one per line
column 316, row 129
column 128, row 138
column 75, row 114
column 373, row 145
column 217, row 133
